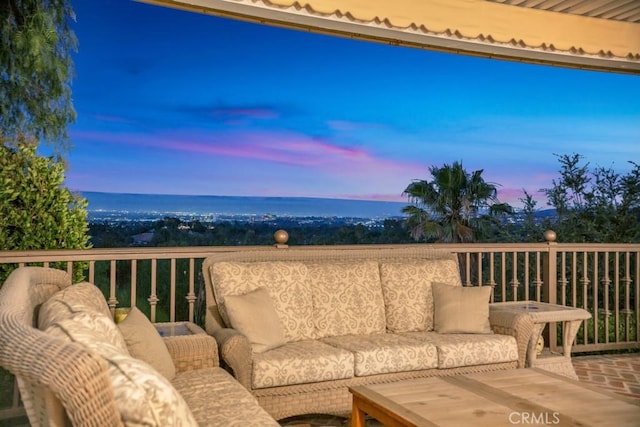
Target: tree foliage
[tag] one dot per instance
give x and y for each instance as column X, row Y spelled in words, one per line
column 455, row 206
column 36, row 69
column 594, row 205
column 36, row 210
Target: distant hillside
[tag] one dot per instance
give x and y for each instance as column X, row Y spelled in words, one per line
column 236, row 205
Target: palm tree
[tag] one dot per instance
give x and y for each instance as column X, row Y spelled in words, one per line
column 455, row 207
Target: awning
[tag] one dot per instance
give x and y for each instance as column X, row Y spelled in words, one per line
column 591, row 34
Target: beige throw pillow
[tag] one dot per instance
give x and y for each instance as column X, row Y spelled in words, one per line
column 461, row 310
column 145, row 343
column 254, row 315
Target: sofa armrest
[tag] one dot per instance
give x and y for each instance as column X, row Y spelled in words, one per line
column 517, row 325
column 235, row 352
column 191, row 352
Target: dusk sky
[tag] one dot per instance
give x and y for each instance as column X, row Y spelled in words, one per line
column 173, row 102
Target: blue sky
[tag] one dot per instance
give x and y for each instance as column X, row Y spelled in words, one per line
column 173, row 102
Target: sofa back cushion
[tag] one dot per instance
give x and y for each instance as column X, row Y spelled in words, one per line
column 287, row 283
column 143, row 396
column 79, row 313
column 407, row 291
column 83, row 296
column 83, row 303
column 347, row 298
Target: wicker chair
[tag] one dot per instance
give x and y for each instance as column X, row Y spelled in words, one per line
column 57, row 379
column 63, row 383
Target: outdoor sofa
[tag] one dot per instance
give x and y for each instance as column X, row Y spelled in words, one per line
column 75, row 366
column 298, row 326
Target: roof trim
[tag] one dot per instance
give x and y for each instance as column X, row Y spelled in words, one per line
column 472, row 27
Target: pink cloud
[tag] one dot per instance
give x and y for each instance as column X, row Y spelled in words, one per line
column 322, row 166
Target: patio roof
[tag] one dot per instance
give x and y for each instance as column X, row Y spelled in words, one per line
column 591, row 34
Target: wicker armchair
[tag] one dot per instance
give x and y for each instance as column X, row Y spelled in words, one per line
column 56, row 379
column 63, row 383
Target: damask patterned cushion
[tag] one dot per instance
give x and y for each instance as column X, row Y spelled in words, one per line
column 145, row 343
column 63, row 304
column 254, row 315
column 455, row 350
column 386, row 353
column 406, row 286
column 90, row 328
column 286, row 282
column 461, row 310
column 217, row 399
column 301, row 362
column 347, row 298
column 143, row 396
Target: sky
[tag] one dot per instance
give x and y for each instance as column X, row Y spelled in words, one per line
column 174, row 102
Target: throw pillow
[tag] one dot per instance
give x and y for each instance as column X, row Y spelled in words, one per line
column 145, row 343
column 254, row 315
column 461, row 310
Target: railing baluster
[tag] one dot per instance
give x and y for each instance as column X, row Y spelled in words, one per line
column 585, row 291
column 596, row 302
column 191, row 296
column 606, row 282
column 113, row 300
column 527, row 273
column 574, row 279
column 134, row 283
column 538, row 282
column 627, row 296
column 92, row 271
column 492, row 275
column 467, row 270
column 172, row 292
column 616, row 296
column 563, row 278
column 153, row 298
column 503, row 276
column 514, row 276
column 637, row 296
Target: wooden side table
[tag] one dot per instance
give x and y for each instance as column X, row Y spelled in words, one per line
column 542, row 313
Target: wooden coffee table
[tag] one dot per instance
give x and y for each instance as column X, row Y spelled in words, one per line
column 501, row 398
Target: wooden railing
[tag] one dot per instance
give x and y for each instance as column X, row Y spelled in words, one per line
column 604, row 279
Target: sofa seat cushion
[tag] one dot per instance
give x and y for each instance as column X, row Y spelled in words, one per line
column 217, row 399
column 286, row 282
column 406, row 287
column 386, row 353
column 347, row 298
column 457, row 350
column 301, row 362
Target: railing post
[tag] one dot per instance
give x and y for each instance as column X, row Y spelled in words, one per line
column 550, row 283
